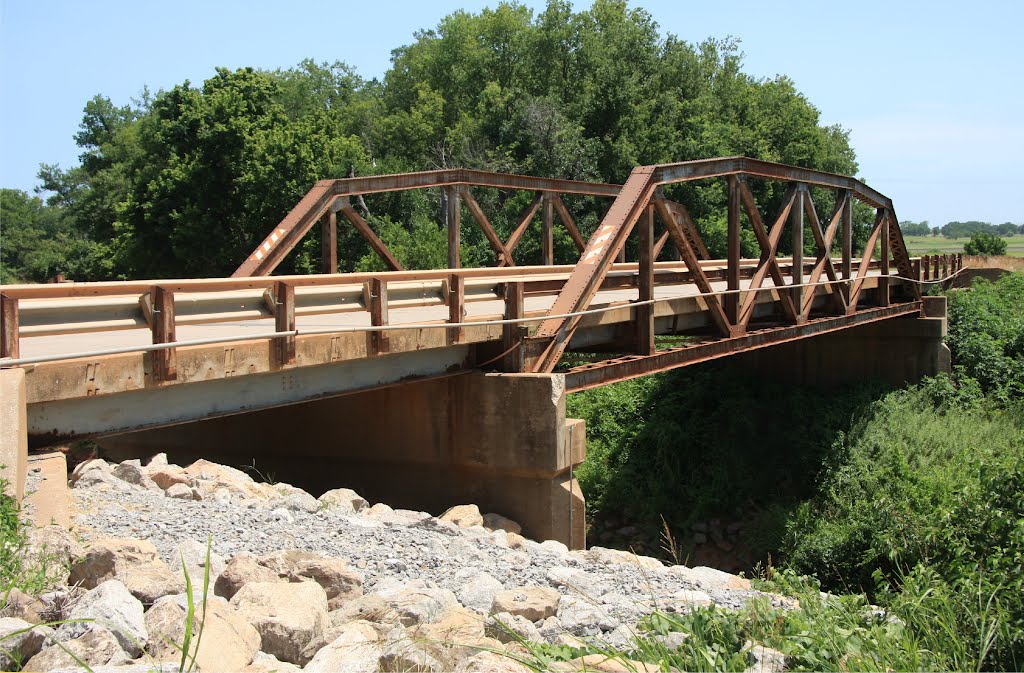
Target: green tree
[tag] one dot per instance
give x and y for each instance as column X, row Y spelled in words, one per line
column 984, row 243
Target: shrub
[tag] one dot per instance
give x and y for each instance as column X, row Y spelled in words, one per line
column 983, row 243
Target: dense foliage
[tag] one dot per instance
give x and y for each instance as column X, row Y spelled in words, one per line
column 188, row 181
column 983, row 243
column 961, row 229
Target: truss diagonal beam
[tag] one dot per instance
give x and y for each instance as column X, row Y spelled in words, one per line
column 504, row 256
column 823, row 242
column 865, row 262
column 378, row 245
column 769, row 243
column 524, row 224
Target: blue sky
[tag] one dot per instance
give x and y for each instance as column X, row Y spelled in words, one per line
column 931, row 92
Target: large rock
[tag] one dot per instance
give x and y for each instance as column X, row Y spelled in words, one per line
column 97, row 647
column 209, row 478
column 287, row 616
column 294, row 498
column 343, row 501
column 268, row 663
column 240, row 570
column 614, row 556
column 19, row 642
column 194, row 555
column 131, row 473
column 711, row 578
column 134, row 562
column 463, row 516
column 494, row 521
column 168, row 476
column 113, row 605
column 532, row 602
column 763, row 659
column 19, row 604
column 369, row 608
column 228, row 641
column 92, row 465
column 419, row 604
column 357, row 649
column 477, row 591
column 508, row 628
column 456, row 627
column 339, row 582
column 489, row 662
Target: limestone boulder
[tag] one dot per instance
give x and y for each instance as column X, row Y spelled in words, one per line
column 494, row 521
column 357, row 649
column 94, row 464
column 416, row 603
column 508, row 628
column 19, row 641
column 112, row 605
column 615, row 556
column 157, row 461
column 684, row 600
column 477, row 591
column 134, row 562
column 96, row 647
column 489, row 662
column 341, row 583
column 229, row 642
column 19, row 604
column 240, row 570
column 268, row 663
column 130, row 472
column 711, row 578
column 294, row 498
column 368, row 608
column 343, row 501
column 169, row 475
column 287, row 616
column 532, row 602
column 463, row 516
column 182, row 492
column 761, row 659
column 211, row 478
column 194, row 555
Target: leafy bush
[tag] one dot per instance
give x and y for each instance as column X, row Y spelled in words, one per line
column 984, row 243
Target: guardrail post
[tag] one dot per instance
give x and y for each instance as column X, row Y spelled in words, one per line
column 10, row 343
column 377, row 291
column 284, row 321
column 165, row 363
column 645, row 313
column 513, row 334
column 935, row 267
column 547, row 241
column 926, row 268
column 456, row 301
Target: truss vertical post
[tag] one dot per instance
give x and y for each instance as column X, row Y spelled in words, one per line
column 732, row 276
column 9, row 327
column 377, row 294
column 513, row 334
column 329, row 242
column 645, row 314
column 547, row 241
column 165, row 360
column 454, row 224
column 883, row 280
column 797, row 221
column 847, row 245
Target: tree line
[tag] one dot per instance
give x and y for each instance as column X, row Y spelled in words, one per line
column 960, row 229
column 186, row 182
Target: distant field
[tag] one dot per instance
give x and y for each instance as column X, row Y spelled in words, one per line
column 940, row 245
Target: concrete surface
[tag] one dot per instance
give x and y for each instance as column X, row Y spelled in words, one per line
column 13, row 431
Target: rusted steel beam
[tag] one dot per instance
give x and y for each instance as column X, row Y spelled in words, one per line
column 925, row 267
column 504, row 256
column 662, row 240
column 847, row 263
column 456, row 306
column 645, row 313
column 547, row 240
column 284, row 321
column 689, row 229
column 9, row 329
column 377, row 295
column 590, row 271
column 524, row 223
column 513, row 334
column 823, row 243
column 453, row 221
column 371, row 237
column 597, row 374
column 883, row 281
column 329, row 242
column 733, row 253
column 164, row 362
column 769, row 243
column 797, row 227
column 898, row 249
column 563, row 214
column 865, row 262
column 720, row 167
column 689, row 256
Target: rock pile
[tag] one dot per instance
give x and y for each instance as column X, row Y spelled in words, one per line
column 321, row 584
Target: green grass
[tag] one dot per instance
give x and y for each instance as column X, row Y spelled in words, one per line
column 940, row 245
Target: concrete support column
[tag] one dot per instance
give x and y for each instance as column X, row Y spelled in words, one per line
column 500, row 441
column 13, row 431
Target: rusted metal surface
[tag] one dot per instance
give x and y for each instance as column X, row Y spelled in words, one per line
column 9, row 327
column 329, row 242
column 597, row 374
column 512, row 335
column 570, row 224
column 456, row 306
column 645, row 280
column 504, row 256
column 769, row 243
column 284, row 321
column 164, row 362
column 377, row 291
column 371, row 237
column 823, row 243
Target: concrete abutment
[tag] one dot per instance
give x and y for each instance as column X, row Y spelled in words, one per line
column 501, row 441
